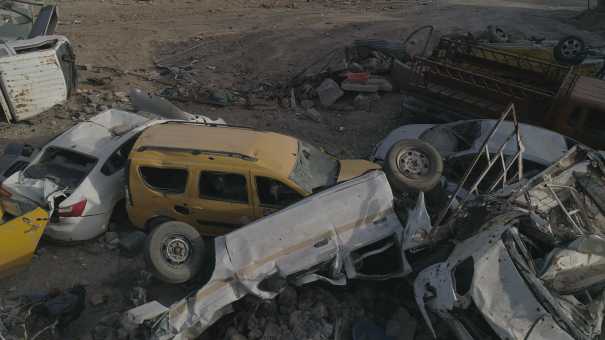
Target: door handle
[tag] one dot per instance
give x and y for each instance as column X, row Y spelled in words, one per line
column 182, row 210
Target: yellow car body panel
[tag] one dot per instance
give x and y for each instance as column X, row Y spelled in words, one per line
column 19, row 239
column 351, row 168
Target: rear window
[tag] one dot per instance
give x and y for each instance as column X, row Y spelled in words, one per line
column 64, row 167
column 17, row 166
column 165, row 180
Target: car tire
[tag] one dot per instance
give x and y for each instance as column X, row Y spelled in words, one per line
column 569, row 51
column 175, row 252
column 413, row 165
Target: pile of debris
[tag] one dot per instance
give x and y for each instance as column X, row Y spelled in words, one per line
column 502, row 242
column 40, row 315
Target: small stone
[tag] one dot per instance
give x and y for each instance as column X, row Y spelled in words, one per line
column 138, row 296
column 313, row 115
column 97, row 298
column 307, row 104
column 144, row 278
column 362, row 102
column 121, row 96
column 329, row 92
column 112, row 237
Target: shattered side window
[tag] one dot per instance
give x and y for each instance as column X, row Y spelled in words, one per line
column 275, row 193
column 66, row 168
column 223, row 187
column 117, row 161
column 166, row 180
column 314, row 168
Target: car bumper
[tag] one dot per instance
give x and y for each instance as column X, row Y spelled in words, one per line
column 71, row 229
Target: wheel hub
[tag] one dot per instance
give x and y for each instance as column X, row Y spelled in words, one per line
column 571, row 47
column 176, row 249
column 413, row 163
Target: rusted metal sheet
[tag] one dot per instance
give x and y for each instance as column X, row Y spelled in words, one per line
column 33, row 81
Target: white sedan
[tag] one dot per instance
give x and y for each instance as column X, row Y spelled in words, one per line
column 79, row 175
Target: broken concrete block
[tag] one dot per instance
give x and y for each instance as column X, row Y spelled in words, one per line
column 329, row 92
column 138, row 315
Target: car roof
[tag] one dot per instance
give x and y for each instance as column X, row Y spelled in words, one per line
column 264, row 149
column 100, row 134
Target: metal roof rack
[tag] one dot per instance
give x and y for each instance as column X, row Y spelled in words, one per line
column 197, row 152
column 193, row 122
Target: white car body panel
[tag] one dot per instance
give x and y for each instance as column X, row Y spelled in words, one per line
column 292, row 243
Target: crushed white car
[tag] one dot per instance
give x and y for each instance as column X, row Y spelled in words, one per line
column 300, row 244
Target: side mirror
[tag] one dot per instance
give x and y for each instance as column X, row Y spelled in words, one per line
column 46, row 22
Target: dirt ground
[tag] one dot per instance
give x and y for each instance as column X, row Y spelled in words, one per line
column 230, row 44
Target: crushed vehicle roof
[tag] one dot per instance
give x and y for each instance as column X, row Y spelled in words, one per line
column 268, row 149
column 103, row 129
column 590, row 91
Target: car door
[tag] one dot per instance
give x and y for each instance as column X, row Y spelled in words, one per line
column 223, row 201
column 273, row 195
column 19, row 238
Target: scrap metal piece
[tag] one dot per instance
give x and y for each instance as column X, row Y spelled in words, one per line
column 37, row 74
column 577, row 266
column 498, row 158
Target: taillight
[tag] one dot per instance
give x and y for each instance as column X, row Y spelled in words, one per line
column 74, row 210
column 4, row 193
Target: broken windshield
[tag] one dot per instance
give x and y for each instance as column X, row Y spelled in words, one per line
column 16, row 20
column 314, row 168
column 64, row 167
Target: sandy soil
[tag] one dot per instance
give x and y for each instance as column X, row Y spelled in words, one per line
column 231, row 43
